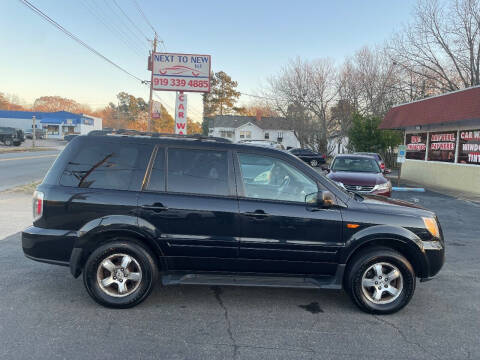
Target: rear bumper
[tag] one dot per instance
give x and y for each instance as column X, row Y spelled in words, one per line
column 48, row 245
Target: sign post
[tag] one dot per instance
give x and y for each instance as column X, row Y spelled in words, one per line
column 402, row 151
column 181, row 113
column 34, row 125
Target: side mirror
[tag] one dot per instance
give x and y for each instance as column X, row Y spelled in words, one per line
column 387, row 171
column 320, row 200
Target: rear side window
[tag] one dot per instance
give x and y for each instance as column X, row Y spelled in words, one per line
column 198, row 171
column 108, row 166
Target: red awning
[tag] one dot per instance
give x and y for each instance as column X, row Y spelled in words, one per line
column 448, row 108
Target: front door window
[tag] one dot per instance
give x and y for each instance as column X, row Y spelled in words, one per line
column 270, row 178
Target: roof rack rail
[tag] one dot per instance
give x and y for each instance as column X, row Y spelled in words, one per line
column 129, row 132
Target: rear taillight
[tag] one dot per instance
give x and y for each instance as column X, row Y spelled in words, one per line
column 324, row 156
column 382, row 166
column 37, row 205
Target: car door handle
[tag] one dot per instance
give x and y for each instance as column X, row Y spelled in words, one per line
column 156, row 208
column 257, row 214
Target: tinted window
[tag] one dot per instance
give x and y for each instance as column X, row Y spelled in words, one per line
column 107, row 166
column 197, row 171
column 352, row 164
column 270, row 178
column 157, row 176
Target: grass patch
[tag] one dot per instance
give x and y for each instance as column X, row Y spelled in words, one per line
column 27, row 189
column 5, row 150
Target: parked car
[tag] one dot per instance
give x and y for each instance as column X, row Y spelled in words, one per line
column 377, row 157
column 69, row 137
column 311, row 157
column 263, row 143
column 11, row 137
column 359, row 173
column 126, row 209
column 39, row 134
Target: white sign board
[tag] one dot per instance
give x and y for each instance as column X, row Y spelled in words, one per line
column 402, row 151
column 181, row 114
column 181, row 72
column 156, row 109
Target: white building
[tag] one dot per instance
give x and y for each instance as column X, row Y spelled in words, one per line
column 337, row 144
column 56, row 124
column 237, row 128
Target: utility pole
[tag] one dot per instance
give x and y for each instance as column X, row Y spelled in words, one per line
column 33, row 130
column 150, row 103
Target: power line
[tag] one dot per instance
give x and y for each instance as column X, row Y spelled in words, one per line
column 257, row 96
column 74, row 37
column 148, row 22
column 124, row 27
column 110, row 27
column 131, row 21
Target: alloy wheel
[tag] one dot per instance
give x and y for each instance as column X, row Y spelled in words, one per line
column 119, row 275
column 382, row 283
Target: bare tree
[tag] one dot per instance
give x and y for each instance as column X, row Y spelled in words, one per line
column 303, row 92
column 442, row 45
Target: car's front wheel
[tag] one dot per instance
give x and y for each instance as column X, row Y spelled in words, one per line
column 120, row 274
column 380, row 281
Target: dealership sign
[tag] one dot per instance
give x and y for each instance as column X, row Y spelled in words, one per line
column 181, row 114
column 181, row 72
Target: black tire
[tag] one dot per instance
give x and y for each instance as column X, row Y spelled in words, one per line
column 314, row 163
column 8, row 142
column 145, row 260
column 362, row 262
column 17, row 143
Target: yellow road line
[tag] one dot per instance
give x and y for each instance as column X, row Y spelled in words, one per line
column 29, row 157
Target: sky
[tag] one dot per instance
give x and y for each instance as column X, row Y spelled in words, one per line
column 249, row 40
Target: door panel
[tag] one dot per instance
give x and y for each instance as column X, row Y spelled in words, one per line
column 278, row 233
column 193, row 208
column 288, row 233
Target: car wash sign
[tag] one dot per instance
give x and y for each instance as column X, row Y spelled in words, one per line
column 181, row 114
column 181, row 72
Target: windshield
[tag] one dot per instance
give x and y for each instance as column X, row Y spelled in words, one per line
column 355, row 164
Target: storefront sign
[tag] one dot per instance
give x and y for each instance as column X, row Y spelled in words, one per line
column 442, row 146
column 469, row 147
column 416, row 146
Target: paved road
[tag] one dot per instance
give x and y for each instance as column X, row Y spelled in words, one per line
column 46, row 314
column 22, row 168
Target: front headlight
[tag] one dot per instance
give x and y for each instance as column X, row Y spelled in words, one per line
column 432, row 226
column 384, row 186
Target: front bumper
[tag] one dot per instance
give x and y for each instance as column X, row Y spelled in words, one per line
column 48, row 245
column 435, row 257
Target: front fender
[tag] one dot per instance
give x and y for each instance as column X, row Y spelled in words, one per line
column 384, row 235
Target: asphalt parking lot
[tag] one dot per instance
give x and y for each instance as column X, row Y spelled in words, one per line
column 46, row 314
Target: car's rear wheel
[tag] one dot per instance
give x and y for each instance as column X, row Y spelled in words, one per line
column 8, row 142
column 120, row 274
column 380, row 281
column 313, row 163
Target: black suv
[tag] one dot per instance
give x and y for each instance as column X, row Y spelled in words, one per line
column 310, row 157
column 125, row 210
column 11, row 136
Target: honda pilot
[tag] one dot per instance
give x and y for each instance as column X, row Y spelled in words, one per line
column 126, row 210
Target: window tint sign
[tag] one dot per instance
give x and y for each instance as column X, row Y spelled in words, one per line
column 416, row 146
column 469, row 147
column 442, row 146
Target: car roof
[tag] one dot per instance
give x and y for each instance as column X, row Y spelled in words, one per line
column 359, row 156
column 176, row 140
